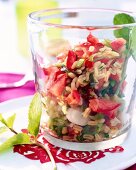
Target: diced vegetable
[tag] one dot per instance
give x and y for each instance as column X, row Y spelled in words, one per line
column 80, row 63
column 118, row 44
column 93, row 40
column 74, row 98
column 58, row 85
column 89, row 64
column 86, row 45
column 99, row 116
column 81, row 89
column 70, row 59
column 89, row 130
column 106, row 135
column 107, row 42
column 50, row 70
column 112, row 82
column 104, row 106
column 97, row 47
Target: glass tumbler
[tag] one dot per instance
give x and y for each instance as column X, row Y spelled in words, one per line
column 86, row 76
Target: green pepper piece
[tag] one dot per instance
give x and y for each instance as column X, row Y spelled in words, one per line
column 79, row 63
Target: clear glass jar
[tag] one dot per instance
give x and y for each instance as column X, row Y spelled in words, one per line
column 85, row 75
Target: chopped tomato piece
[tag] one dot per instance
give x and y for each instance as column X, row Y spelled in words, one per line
column 70, row 59
column 120, row 60
column 59, row 72
column 100, row 83
column 118, row 44
column 97, row 47
column 79, row 53
column 76, row 95
column 93, row 40
column 74, row 98
column 50, row 70
column 71, row 131
column 115, row 77
column 50, row 76
column 62, row 56
column 104, row 106
column 105, row 60
column 86, row 45
column 58, row 85
column 53, row 76
column 89, row 64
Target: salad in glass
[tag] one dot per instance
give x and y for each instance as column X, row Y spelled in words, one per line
column 83, row 91
column 85, row 75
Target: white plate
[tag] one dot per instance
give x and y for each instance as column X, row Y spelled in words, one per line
column 14, row 161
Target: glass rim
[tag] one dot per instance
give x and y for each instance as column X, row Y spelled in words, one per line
column 32, row 15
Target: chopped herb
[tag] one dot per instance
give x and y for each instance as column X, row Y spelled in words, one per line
column 84, row 81
column 99, row 116
column 110, row 90
column 101, row 67
column 80, row 138
column 80, row 62
column 84, row 105
column 92, row 82
column 107, row 42
column 99, row 127
column 89, row 130
column 58, row 121
column 60, row 64
column 58, row 130
column 112, row 82
column 53, row 123
column 103, row 92
column 83, row 91
column 106, row 135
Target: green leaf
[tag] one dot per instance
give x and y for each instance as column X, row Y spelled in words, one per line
column 133, row 42
column 3, row 129
column 122, row 33
column 34, row 115
column 20, row 138
column 119, row 19
column 3, row 120
column 9, row 122
column 123, row 18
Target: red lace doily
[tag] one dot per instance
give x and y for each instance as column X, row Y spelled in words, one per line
column 61, row 155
